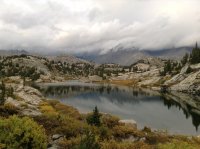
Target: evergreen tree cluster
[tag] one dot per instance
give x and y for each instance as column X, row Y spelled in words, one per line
column 2, row 92
column 5, row 92
column 171, row 68
column 76, row 69
column 16, row 66
column 185, row 59
column 195, row 55
column 9, row 68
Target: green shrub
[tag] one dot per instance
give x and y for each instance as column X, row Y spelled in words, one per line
column 70, row 127
column 177, row 145
column 22, row 133
column 104, row 133
column 65, row 109
column 61, row 124
column 50, row 123
column 113, row 144
column 109, row 121
column 8, row 109
column 69, row 143
column 88, row 142
column 122, row 131
column 47, row 109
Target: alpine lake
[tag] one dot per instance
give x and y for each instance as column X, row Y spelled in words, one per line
column 148, row 108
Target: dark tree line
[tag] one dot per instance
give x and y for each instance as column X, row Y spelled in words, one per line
column 193, row 57
column 173, row 67
column 8, row 67
column 5, row 92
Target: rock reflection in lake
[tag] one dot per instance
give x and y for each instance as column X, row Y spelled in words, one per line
column 149, row 108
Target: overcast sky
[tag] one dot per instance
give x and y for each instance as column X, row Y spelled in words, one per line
column 88, row 25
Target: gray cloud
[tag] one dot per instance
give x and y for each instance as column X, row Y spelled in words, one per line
column 86, row 25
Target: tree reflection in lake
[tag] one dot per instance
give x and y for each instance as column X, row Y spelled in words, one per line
column 186, row 110
column 146, row 107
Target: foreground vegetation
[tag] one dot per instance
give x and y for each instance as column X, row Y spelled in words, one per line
column 21, row 133
column 80, row 131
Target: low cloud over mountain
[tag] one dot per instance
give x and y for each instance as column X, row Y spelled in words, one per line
column 89, row 25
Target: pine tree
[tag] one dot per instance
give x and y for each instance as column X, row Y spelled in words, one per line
column 185, row 59
column 168, row 67
column 94, row 119
column 3, row 93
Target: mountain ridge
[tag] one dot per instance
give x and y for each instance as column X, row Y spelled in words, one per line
column 118, row 55
column 128, row 56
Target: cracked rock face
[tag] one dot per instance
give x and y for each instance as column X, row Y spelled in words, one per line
column 27, row 99
column 191, row 82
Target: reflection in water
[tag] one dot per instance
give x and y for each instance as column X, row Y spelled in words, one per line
column 147, row 109
column 187, row 111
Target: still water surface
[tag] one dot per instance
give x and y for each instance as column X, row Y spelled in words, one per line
column 146, row 109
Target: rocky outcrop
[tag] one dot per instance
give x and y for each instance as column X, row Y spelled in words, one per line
column 29, row 94
column 54, row 141
column 27, row 99
column 178, row 78
column 189, row 84
column 186, row 82
column 149, row 81
column 32, row 61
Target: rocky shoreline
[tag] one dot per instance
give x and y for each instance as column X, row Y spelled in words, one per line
column 176, row 92
column 27, row 98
